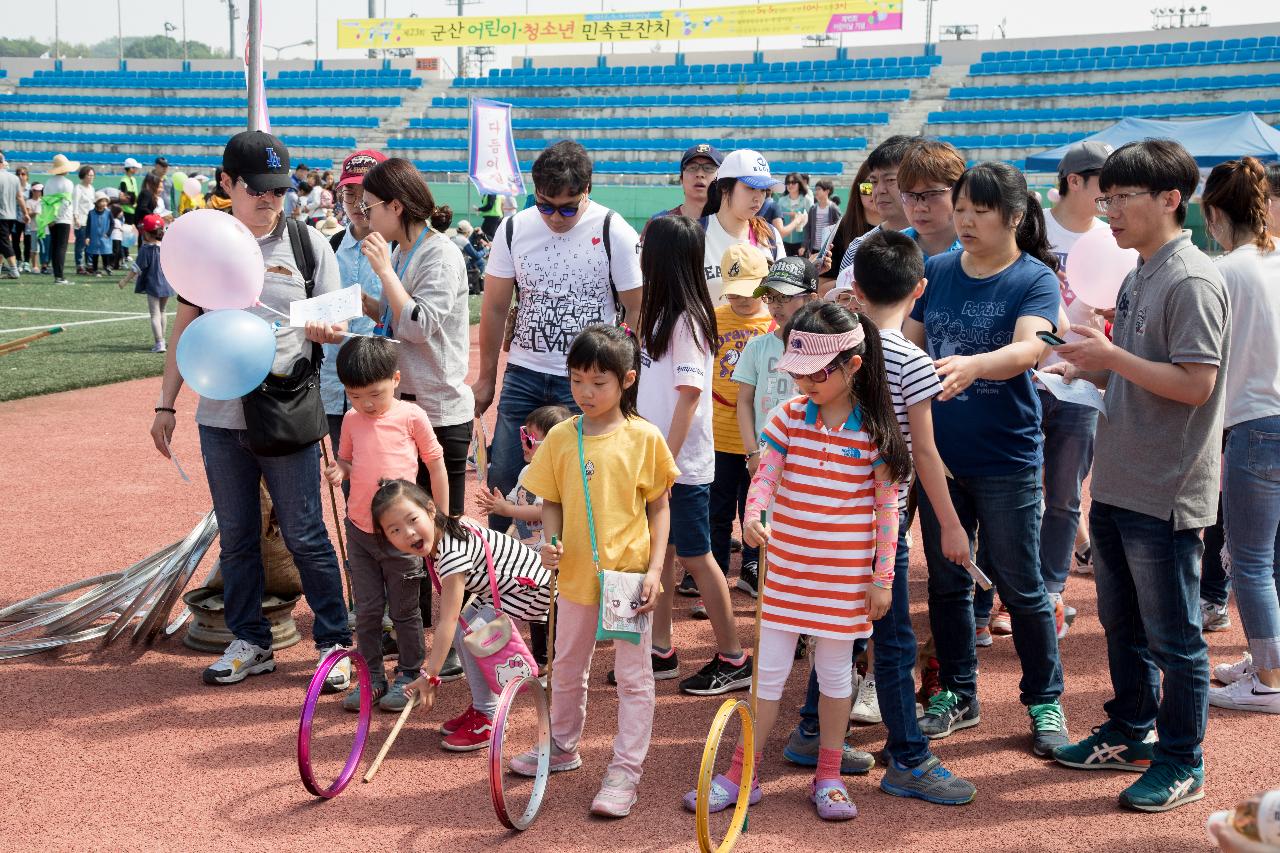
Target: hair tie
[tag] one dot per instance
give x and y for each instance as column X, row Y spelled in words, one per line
column 626, row 330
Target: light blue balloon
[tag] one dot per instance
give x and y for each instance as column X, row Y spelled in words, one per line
column 223, row 355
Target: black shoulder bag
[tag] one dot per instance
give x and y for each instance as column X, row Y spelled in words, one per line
column 285, row 414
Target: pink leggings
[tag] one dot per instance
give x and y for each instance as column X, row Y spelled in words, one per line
column 570, row 670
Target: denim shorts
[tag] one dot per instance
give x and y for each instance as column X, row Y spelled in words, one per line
column 691, row 519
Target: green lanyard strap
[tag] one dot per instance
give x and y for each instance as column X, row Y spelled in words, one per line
column 586, row 490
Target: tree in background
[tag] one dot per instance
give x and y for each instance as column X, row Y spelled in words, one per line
column 135, row 47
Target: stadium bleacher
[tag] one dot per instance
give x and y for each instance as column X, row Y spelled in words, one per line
column 816, row 116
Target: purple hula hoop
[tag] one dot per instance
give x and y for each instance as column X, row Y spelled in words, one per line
column 309, row 710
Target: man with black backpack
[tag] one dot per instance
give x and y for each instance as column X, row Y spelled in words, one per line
column 272, row 433
column 571, row 262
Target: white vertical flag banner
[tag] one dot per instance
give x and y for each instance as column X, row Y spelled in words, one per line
column 493, row 166
column 264, row 119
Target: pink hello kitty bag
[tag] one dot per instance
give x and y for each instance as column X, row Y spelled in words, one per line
column 497, row 645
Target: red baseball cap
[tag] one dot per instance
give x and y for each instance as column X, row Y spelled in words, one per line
column 357, row 164
column 151, row 222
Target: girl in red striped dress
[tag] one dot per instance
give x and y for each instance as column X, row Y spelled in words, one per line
column 831, row 463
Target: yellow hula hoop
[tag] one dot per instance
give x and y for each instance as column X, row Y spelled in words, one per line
column 707, row 770
column 747, row 711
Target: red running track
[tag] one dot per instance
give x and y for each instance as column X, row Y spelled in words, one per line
column 127, row 750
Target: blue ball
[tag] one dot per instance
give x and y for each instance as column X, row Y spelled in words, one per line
column 223, row 355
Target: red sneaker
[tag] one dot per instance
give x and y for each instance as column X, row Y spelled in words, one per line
column 448, row 727
column 930, row 682
column 1001, row 622
column 474, row 734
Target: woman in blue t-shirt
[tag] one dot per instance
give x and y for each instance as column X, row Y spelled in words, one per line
column 978, row 319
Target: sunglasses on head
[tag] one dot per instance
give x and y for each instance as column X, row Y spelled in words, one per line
column 278, row 192
column 567, row 211
column 528, row 440
column 820, row 376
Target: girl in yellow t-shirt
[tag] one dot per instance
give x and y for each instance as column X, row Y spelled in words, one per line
column 629, row 470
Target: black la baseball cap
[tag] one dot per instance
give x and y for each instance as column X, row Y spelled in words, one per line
column 790, row 276
column 260, row 158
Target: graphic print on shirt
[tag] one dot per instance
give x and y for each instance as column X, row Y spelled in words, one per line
column 550, row 316
column 526, row 530
column 736, row 339
column 949, row 335
column 776, row 388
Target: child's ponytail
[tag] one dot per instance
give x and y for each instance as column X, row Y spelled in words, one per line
column 871, row 385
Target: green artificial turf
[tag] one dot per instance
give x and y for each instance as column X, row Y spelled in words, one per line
column 81, row 356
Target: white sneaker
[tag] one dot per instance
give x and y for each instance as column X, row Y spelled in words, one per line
column 1230, row 673
column 340, row 676
column 866, row 707
column 241, row 660
column 1247, row 694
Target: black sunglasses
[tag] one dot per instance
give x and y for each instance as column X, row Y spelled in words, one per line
column 278, row 192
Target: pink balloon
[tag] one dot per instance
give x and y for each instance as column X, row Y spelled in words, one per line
column 1096, row 267
column 212, row 260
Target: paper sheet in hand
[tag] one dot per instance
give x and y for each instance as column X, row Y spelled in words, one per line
column 336, row 307
column 1079, row 391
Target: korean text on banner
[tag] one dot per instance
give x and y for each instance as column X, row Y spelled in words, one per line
column 767, row 19
column 493, row 166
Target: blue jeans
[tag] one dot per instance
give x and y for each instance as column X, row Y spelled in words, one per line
column 1003, row 513
column 523, row 390
column 894, row 662
column 1251, row 508
column 1068, row 454
column 82, row 244
column 293, row 482
column 1148, row 579
column 728, row 501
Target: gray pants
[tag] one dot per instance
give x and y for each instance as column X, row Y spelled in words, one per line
column 483, row 699
column 378, row 580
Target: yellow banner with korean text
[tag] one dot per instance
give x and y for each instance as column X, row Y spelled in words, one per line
column 767, row 19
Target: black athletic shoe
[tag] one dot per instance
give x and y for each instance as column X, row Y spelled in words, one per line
column 719, row 676
column 452, row 670
column 664, row 668
column 748, row 578
column 688, row 586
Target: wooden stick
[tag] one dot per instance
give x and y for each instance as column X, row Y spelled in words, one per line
column 337, row 527
column 29, row 338
column 391, row 738
column 551, row 630
column 761, row 571
column 6, row 350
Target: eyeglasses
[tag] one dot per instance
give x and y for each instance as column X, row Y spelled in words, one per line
column 278, row 192
column 791, row 183
column 866, row 188
column 924, row 199
column 820, row 376
column 775, row 299
column 365, row 207
column 701, row 169
column 527, row 439
column 567, row 211
column 1118, row 201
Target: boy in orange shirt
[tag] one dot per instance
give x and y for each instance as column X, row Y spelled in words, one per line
column 382, row 438
column 743, row 318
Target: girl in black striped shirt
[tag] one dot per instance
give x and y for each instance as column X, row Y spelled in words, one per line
column 410, row 521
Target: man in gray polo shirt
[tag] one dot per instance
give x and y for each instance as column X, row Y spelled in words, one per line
column 1155, row 477
column 11, row 213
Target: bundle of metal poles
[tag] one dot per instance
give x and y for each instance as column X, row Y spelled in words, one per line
column 105, row 606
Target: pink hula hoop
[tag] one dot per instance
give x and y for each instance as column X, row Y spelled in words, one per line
column 309, row 710
column 496, row 763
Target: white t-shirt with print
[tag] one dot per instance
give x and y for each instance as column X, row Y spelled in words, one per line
column 563, row 280
column 1060, row 243
column 718, row 242
column 683, row 365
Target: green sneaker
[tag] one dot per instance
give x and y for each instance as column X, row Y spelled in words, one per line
column 1048, row 728
column 1166, row 785
column 1106, row 749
